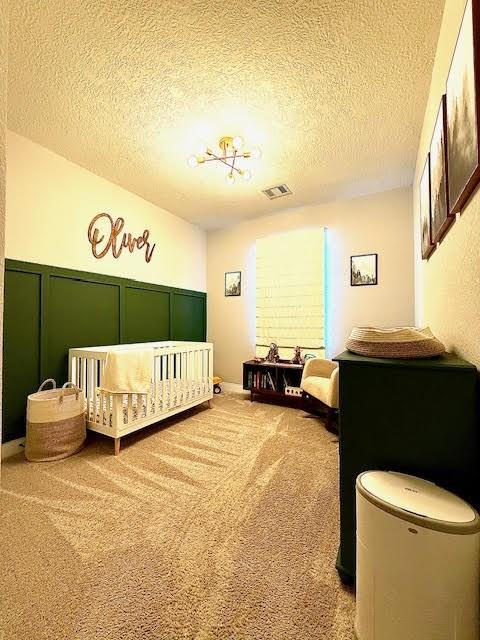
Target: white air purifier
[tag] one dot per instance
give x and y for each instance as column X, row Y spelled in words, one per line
column 418, row 561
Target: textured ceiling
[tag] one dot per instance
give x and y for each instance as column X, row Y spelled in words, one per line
column 333, row 92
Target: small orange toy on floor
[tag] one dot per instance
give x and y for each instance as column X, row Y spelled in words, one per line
column 216, row 384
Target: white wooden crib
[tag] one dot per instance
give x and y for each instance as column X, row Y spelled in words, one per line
column 181, row 378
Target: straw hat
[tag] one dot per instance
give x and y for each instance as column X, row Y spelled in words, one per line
column 399, row 342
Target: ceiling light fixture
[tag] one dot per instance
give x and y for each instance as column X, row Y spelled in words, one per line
column 230, row 152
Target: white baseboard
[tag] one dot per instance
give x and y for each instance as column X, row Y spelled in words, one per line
column 233, row 387
column 13, row 447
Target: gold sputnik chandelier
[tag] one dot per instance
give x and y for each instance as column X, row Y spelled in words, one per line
column 231, row 150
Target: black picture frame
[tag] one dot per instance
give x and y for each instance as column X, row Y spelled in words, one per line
column 463, row 111
column 425, row 195
column 233, row 289
column 440, row 217
column 356, row 278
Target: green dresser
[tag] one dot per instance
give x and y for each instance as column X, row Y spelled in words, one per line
column 413, row 416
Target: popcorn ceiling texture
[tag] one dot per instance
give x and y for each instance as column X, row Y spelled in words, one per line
column 448, row 285
column 222, row 525
column 333, row 92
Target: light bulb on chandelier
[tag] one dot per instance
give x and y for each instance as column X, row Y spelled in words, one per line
column 202, row 149
column 237, row 143
column 255, row 153
column 230, row 178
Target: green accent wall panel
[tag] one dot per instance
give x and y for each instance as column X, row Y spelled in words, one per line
column 147, row 315
column 188, row 318
column 49, row 310
column 80, row 314
column 21, row 348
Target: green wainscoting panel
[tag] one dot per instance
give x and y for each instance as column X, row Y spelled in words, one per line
column 81, row 314
column 21, row 348
column 188, row 317
column 49, row 310
column 147, row 315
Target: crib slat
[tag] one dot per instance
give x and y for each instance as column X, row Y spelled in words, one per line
column 102, row 369
column 129, row 408
column 199, row 373
column 204, row 369
column 85, row 375
column 210, row 369
column 154, row 404
column 164, row 383
column 184, row 357
column 171, row 376
column 88, row 385
column 104, row 405
column 191, row 377
column 95, row 390
column 195, row 373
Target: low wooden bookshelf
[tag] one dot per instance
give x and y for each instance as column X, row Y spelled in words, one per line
column 270, row 379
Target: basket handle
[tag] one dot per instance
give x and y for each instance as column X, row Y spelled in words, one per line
column 65, row 386
column 40, row 388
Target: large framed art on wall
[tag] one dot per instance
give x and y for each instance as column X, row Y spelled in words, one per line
column 463, row 110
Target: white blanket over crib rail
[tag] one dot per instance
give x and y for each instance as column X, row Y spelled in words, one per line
column 128, row 371
column 181, row 378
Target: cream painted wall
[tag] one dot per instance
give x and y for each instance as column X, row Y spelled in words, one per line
column 3, row 130
column 447, row 287
column 379, row 223
column 51, row 201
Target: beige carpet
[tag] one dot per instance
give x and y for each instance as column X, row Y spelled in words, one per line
column 220, row 524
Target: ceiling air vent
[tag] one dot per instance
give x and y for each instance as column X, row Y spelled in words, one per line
column 277, row 192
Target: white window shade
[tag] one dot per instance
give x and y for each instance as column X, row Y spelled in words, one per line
column 290, row 292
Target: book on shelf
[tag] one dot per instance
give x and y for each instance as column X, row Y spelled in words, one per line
column 270, row 379
column 259, row 380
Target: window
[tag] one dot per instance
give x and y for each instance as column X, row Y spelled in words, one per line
column 290, row 292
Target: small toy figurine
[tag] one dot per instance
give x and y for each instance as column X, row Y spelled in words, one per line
column 257, row 359
column 297, row 356
column 272, row 355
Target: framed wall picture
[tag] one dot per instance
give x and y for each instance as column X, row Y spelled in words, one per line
column 233, row 283
column 441, row 218
column 463, row 110
column 425, row 212
column 364, row 270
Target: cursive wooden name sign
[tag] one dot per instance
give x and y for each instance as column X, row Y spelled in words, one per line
column 116, row 241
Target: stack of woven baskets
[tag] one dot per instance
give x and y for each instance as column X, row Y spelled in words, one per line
column 401, row 342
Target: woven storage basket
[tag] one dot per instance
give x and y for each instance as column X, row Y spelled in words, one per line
column 55, row 423
column 402, row 342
